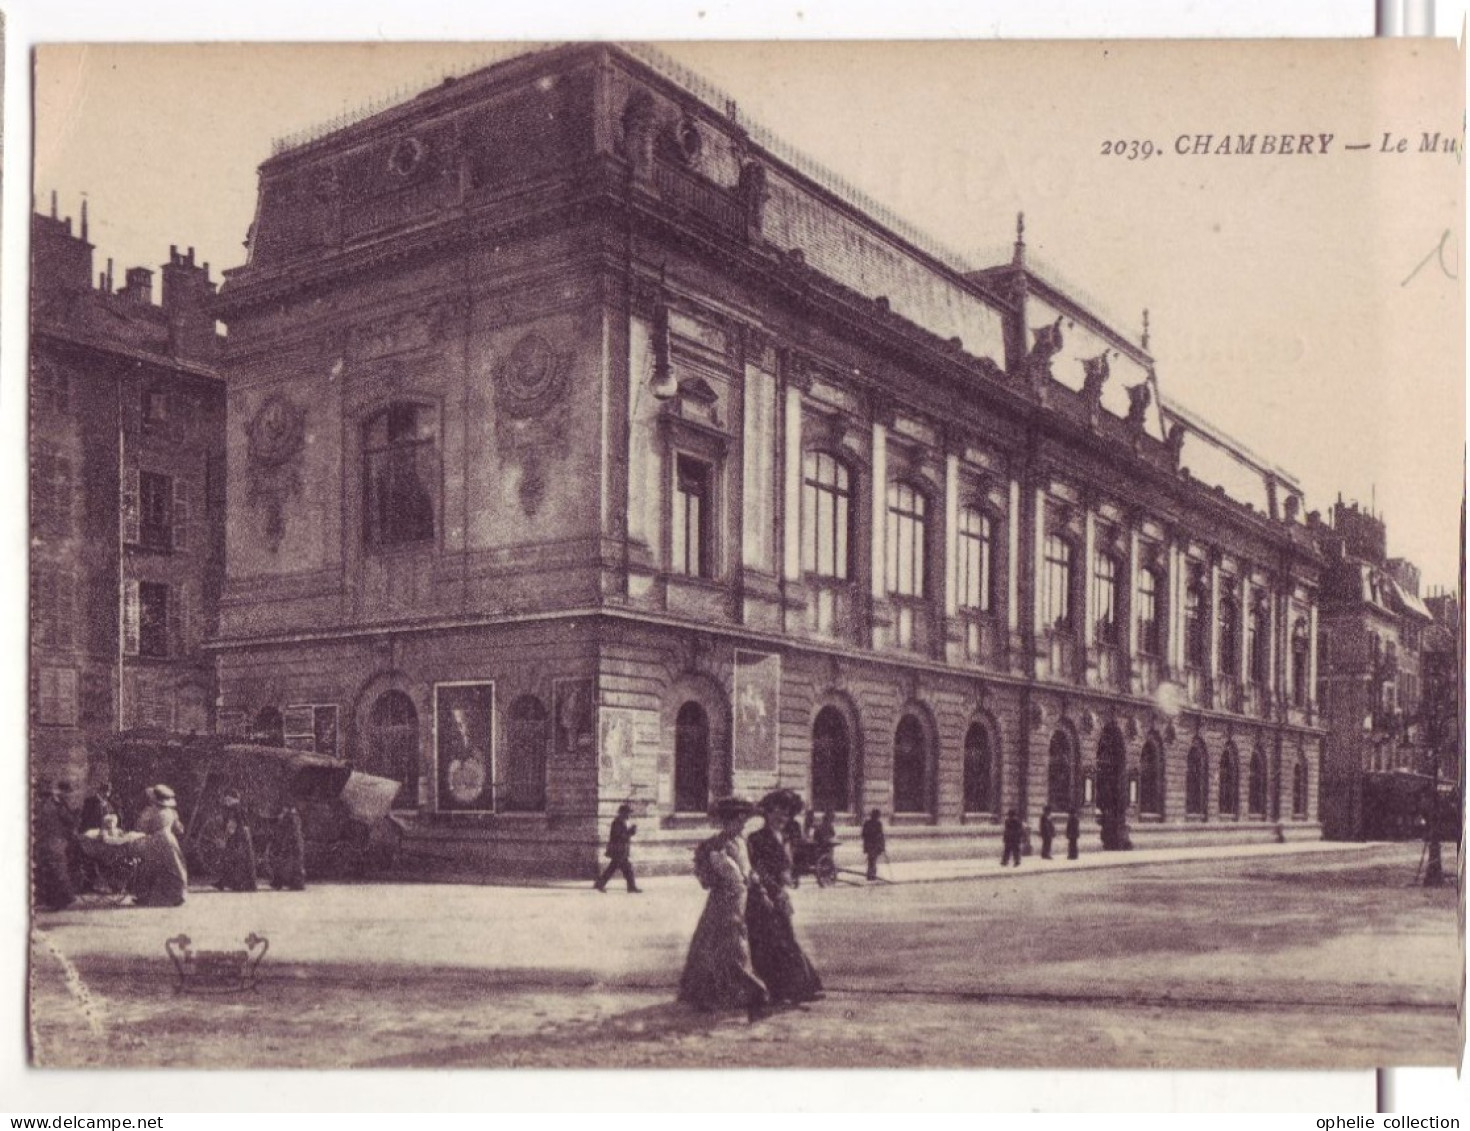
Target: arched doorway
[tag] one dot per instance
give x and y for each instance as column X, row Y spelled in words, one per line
column 1112, row 787
column 831, row 762
column 1151, row 779
column 979, row 787
column 1197, row 781
column 391, row 746
column 528, row 732
column 910, row 767
column 691, row 759
column 1061, row 773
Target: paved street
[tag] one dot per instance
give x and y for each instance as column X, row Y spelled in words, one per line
column 1290, row 956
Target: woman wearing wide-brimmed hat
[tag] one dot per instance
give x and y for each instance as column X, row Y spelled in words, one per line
column 162, row 877
column 778, row 958
column 718, row 973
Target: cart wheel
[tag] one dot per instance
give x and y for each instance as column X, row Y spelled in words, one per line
column 826, row 872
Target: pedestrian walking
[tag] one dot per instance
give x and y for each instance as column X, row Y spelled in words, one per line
column 619, row 852
column 775, row 953
column 54, row 831
column 1048, row 831
column 1011, row 835
column 1074, row 831
column 288, row 851
column 874, row 843
column 718, row 972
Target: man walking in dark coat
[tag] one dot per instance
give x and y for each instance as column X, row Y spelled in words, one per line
column 1048, row 832
column 1074, row 830
column 53, row 833
column 619, row 851
column 874, row 844
column 1011, row 841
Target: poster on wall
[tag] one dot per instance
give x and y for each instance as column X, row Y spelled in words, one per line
column 756, row 697
column 573, row 706
column 615, row 750
column 464, row 728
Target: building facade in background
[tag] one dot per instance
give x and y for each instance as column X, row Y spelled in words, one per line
column 1389, row 683
column 586, row 446
column 127, row 427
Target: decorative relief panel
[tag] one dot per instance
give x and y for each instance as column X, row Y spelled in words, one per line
column 530, row 418
column 277, row 439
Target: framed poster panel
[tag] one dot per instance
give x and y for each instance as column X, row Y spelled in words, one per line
column 574, row 707
column 464, row 747
column 757, row 699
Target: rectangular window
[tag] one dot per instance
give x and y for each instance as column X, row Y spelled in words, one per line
column 152, row 619
column 691, row 525
column 1056, row 583
column 311, row 726
column 1196, row 636
column 55, row 609
column 155, row 410
column 156, row 511
column 52, row 492
column 56, row 698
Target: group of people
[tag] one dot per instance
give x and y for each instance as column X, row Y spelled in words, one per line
column 745, row 953
column 1013, row 833
column 78, row 852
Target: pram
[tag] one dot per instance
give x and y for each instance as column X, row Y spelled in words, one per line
column 110, row 863
column 815, row 858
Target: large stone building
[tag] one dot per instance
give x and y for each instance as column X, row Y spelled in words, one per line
column 1389, row 662
column 127, row 427
column 583, row 450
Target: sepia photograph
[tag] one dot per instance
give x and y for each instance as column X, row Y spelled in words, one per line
column 813, row 555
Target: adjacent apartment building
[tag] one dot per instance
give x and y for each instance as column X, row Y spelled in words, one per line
column 586, row 446
column 127, row 429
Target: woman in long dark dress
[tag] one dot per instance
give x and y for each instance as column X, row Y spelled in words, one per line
column 718, row 973
column 288, row 851
column 775, row 952
column 237, row 864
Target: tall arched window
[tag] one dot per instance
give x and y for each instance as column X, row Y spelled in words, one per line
column 1151, row 779
column 1299, row 787
column 1150, row 616
column 1197, row 781
column 1299, row 651
column 908, row 530
column 1258, row 642
column 831, row 762
column 1056, row 582
column 391, row 747
column 1229, row 783
column 691, row 759
column 527, row 734
column 976, row 559
column 1229, row 636
column 1106, row 605
column 1196, row 625
column 400, row 469
column 1061, row 773
column 910, row 767
column 826, row 516
column 979, row 788
column 1256, row 792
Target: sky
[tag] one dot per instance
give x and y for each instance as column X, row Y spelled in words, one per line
column 1284, row 300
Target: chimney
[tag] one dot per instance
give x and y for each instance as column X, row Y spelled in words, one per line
column 139, row 286
column 187, row 292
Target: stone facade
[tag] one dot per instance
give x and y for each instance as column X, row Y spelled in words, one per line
column 582, row 451
column 127, row 426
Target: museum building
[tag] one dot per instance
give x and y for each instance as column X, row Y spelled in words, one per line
column 587, row 445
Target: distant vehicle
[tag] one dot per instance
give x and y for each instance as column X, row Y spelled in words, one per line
column 344, row 814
